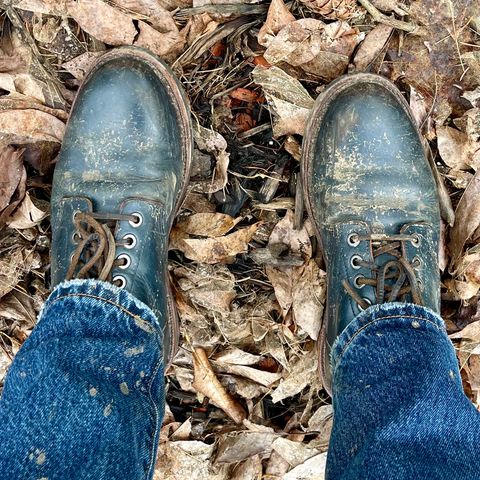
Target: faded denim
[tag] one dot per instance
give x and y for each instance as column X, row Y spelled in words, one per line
column 399, row 408
column 84, row 397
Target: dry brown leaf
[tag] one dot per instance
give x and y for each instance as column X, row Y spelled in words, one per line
column 250, row 469
column 238, row 446
column 167, row 44
column 303, row 372
column 213, row 250
column 313, row 468
column 212, row 142
column 29, row 125
column 288, row 99
column 467, row 220
column 470, row 332
column 11, row 161
column 278, row 16
column 430, row 63
column 81, row 65
column 207, row 224
column 103, row 21
column 372, row 46
column 27, row 215
column 211, row 287
column 334, row 9
column 295, row 453
column 187, row 459
column 206, row 382
column 457, row 149
column 317, row 48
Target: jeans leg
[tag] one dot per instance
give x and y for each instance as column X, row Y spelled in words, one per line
column 399, row 408
column 84, row 397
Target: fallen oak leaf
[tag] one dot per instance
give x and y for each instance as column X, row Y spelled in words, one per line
column 213, row 250
column 372, row 46
column 334, row 9
column 467, row 220
column 278, row 16
column 27, row 215
column 11, row 161
column 206, row 382
column 319, row 49
column 207, row 224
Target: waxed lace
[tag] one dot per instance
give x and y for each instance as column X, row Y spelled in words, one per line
column 95, row 254
column 395, row 278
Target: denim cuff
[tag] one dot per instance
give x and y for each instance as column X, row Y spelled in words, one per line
column 401, row 314
column 106, row 293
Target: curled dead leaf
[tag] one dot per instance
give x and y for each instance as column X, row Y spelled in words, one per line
column 278, row 17
column 316, row 48
column 206, row 382
column 334, row 9
column 288, row 99
column 213, row 250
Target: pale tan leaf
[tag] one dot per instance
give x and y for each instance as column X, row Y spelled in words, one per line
column 213, row 250
column 207, row 224
column 278, row 16
column 81, row 65
column 303, row 372
column 467, row 219
column 295, row 453
column 470, row 332
column 103, row 21
column 206, row 382
column 166, row 44
column 317, row 48
column 212, row 142
column 29, row 126
column 311, row 469
column 371, row 47
column 456, row 148
column 289, row 101
column 334, row 9
column 11, row 162
column 27, row 215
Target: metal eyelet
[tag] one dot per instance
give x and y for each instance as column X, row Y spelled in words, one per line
column 353, row 240
column 138, row 222
column 420, row 284
column 417, row 262
column 75, row 237
column 367, row 301
column 416, row 241
column 132, row 243
column 127, row 259
column 120, row 281
column 75, row 213
column 355, row 281
column 354, row 261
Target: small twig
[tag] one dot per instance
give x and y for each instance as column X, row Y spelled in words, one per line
column 379, row 17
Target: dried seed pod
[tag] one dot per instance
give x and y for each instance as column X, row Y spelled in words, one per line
column 334, row 9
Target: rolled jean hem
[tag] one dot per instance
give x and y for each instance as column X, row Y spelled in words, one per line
column 387, row 312
column 103, row 292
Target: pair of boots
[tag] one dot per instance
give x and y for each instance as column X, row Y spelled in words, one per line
column 124, row 168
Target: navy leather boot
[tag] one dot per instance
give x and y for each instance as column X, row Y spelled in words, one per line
column 372, row 197
column 122, row 174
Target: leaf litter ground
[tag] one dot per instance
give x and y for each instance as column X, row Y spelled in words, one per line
column 244, row 399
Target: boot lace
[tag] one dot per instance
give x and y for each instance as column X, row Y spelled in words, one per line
column 95, row 254
column 394, row 279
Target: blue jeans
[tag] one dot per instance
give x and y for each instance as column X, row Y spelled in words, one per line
column 84, row 396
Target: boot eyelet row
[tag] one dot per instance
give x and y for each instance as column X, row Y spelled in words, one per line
column 139, row 220
column 120, row 281
column 416, row 241
column 417, row 262
column 366, row 300
column 127, row 261
column 355, row 281
column 353, row 240
column 132, row 241
column 75, row 237
column 354, row 262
